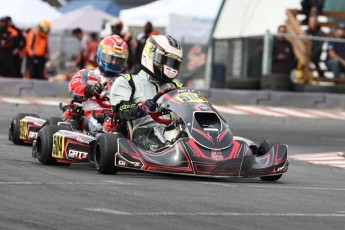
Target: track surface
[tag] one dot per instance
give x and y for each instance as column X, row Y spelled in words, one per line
column 34, row 196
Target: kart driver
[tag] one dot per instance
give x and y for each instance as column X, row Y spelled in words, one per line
column 87, row 85
column 130, row 96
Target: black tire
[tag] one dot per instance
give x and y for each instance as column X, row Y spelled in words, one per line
column 104, row 153
column 53, row 120
column 44, row 144
column 14, row 130
column 263, row 148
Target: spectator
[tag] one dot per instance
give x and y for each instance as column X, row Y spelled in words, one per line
column 92, row 50
column 316, row 48
column 18, row 52
column 140, row 43
column 336, row 53
column 8, row 44
column 283, row 59
column 117, row 29
column 83, row 39
column 37, row 50
column 311, row 7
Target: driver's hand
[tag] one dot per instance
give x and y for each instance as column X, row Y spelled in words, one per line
column 151, row 105
column 144, row 107
column 93, row 90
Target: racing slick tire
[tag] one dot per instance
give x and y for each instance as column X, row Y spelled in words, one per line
column 14, row 130
column 53, row 120
column 104, row 154
column 263, row 148
column 44, row 144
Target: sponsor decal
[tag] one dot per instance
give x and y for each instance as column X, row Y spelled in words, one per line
column 77, row 154
column 191, row 98
column 38, row 124
column 33, row 135
column 217, row 154
column 81, row 140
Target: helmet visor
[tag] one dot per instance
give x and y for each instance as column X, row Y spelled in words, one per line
column 170, row 60
column 113, row 59
column 44, row 29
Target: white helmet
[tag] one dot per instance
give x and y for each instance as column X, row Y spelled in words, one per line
column 162, row 57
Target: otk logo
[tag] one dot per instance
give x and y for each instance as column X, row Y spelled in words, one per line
column 77, row 154
column 217, row 154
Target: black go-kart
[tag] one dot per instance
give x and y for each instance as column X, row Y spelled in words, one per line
column 201, row 144
column 24, row 127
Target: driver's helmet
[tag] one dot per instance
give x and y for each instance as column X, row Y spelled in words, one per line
column 43, row 27
column 112, row 54
column 162, row 57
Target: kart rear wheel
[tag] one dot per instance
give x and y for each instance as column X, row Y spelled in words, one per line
column 104, row 154
column 53, row 120
column 44, row 144
column 14, row 130
column 263, row 148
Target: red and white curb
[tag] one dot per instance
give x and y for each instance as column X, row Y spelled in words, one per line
column 231, row 109
column 335, row 159
column 280, row 112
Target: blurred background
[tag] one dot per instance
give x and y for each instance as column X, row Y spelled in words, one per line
column 286, row 45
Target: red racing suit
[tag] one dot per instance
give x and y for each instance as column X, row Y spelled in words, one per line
column 77, row 86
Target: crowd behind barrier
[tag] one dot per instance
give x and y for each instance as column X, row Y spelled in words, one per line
column 25, row 54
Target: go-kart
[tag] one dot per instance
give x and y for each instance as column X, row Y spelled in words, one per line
column 24, row 127
column 201, row 144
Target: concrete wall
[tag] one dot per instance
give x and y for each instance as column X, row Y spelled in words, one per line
column 39, row 88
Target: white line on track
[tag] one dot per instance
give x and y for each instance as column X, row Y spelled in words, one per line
column 66, row 183
column 273, row 187
column 122, row 213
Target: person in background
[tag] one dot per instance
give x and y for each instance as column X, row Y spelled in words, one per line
column 37, row 51
column 140, row 43
column 88, row 84
column 83, row 41
column 8, row 47
column 92, row 46
column 311, row 7
column 283, row 58
column 316, row 48
column 336, row 53
column 18, row 52
column 117, row 29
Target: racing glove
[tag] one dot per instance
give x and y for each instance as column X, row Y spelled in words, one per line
column 93, row 90
column 144, row 107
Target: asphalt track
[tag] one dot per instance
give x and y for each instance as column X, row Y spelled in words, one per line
column 34, row 196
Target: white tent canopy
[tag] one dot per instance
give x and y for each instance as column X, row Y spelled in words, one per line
column 241, row 18
column 88, row 18
column 187, row 20
column 28, row 12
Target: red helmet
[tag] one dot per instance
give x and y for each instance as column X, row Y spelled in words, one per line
column 112, row 54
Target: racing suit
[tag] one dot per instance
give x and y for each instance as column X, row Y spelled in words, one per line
column 77, row 86
column 147, row 133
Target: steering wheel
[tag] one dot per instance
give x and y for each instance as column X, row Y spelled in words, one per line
column 156, row 116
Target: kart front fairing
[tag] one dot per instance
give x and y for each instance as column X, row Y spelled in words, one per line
column 202, row 121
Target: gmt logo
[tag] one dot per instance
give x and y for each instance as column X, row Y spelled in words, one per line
column 77, row 154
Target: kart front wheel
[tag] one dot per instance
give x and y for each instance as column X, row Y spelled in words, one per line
column 263, row 148
column 14, row 130
column 104, row 154
column 44, row 144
